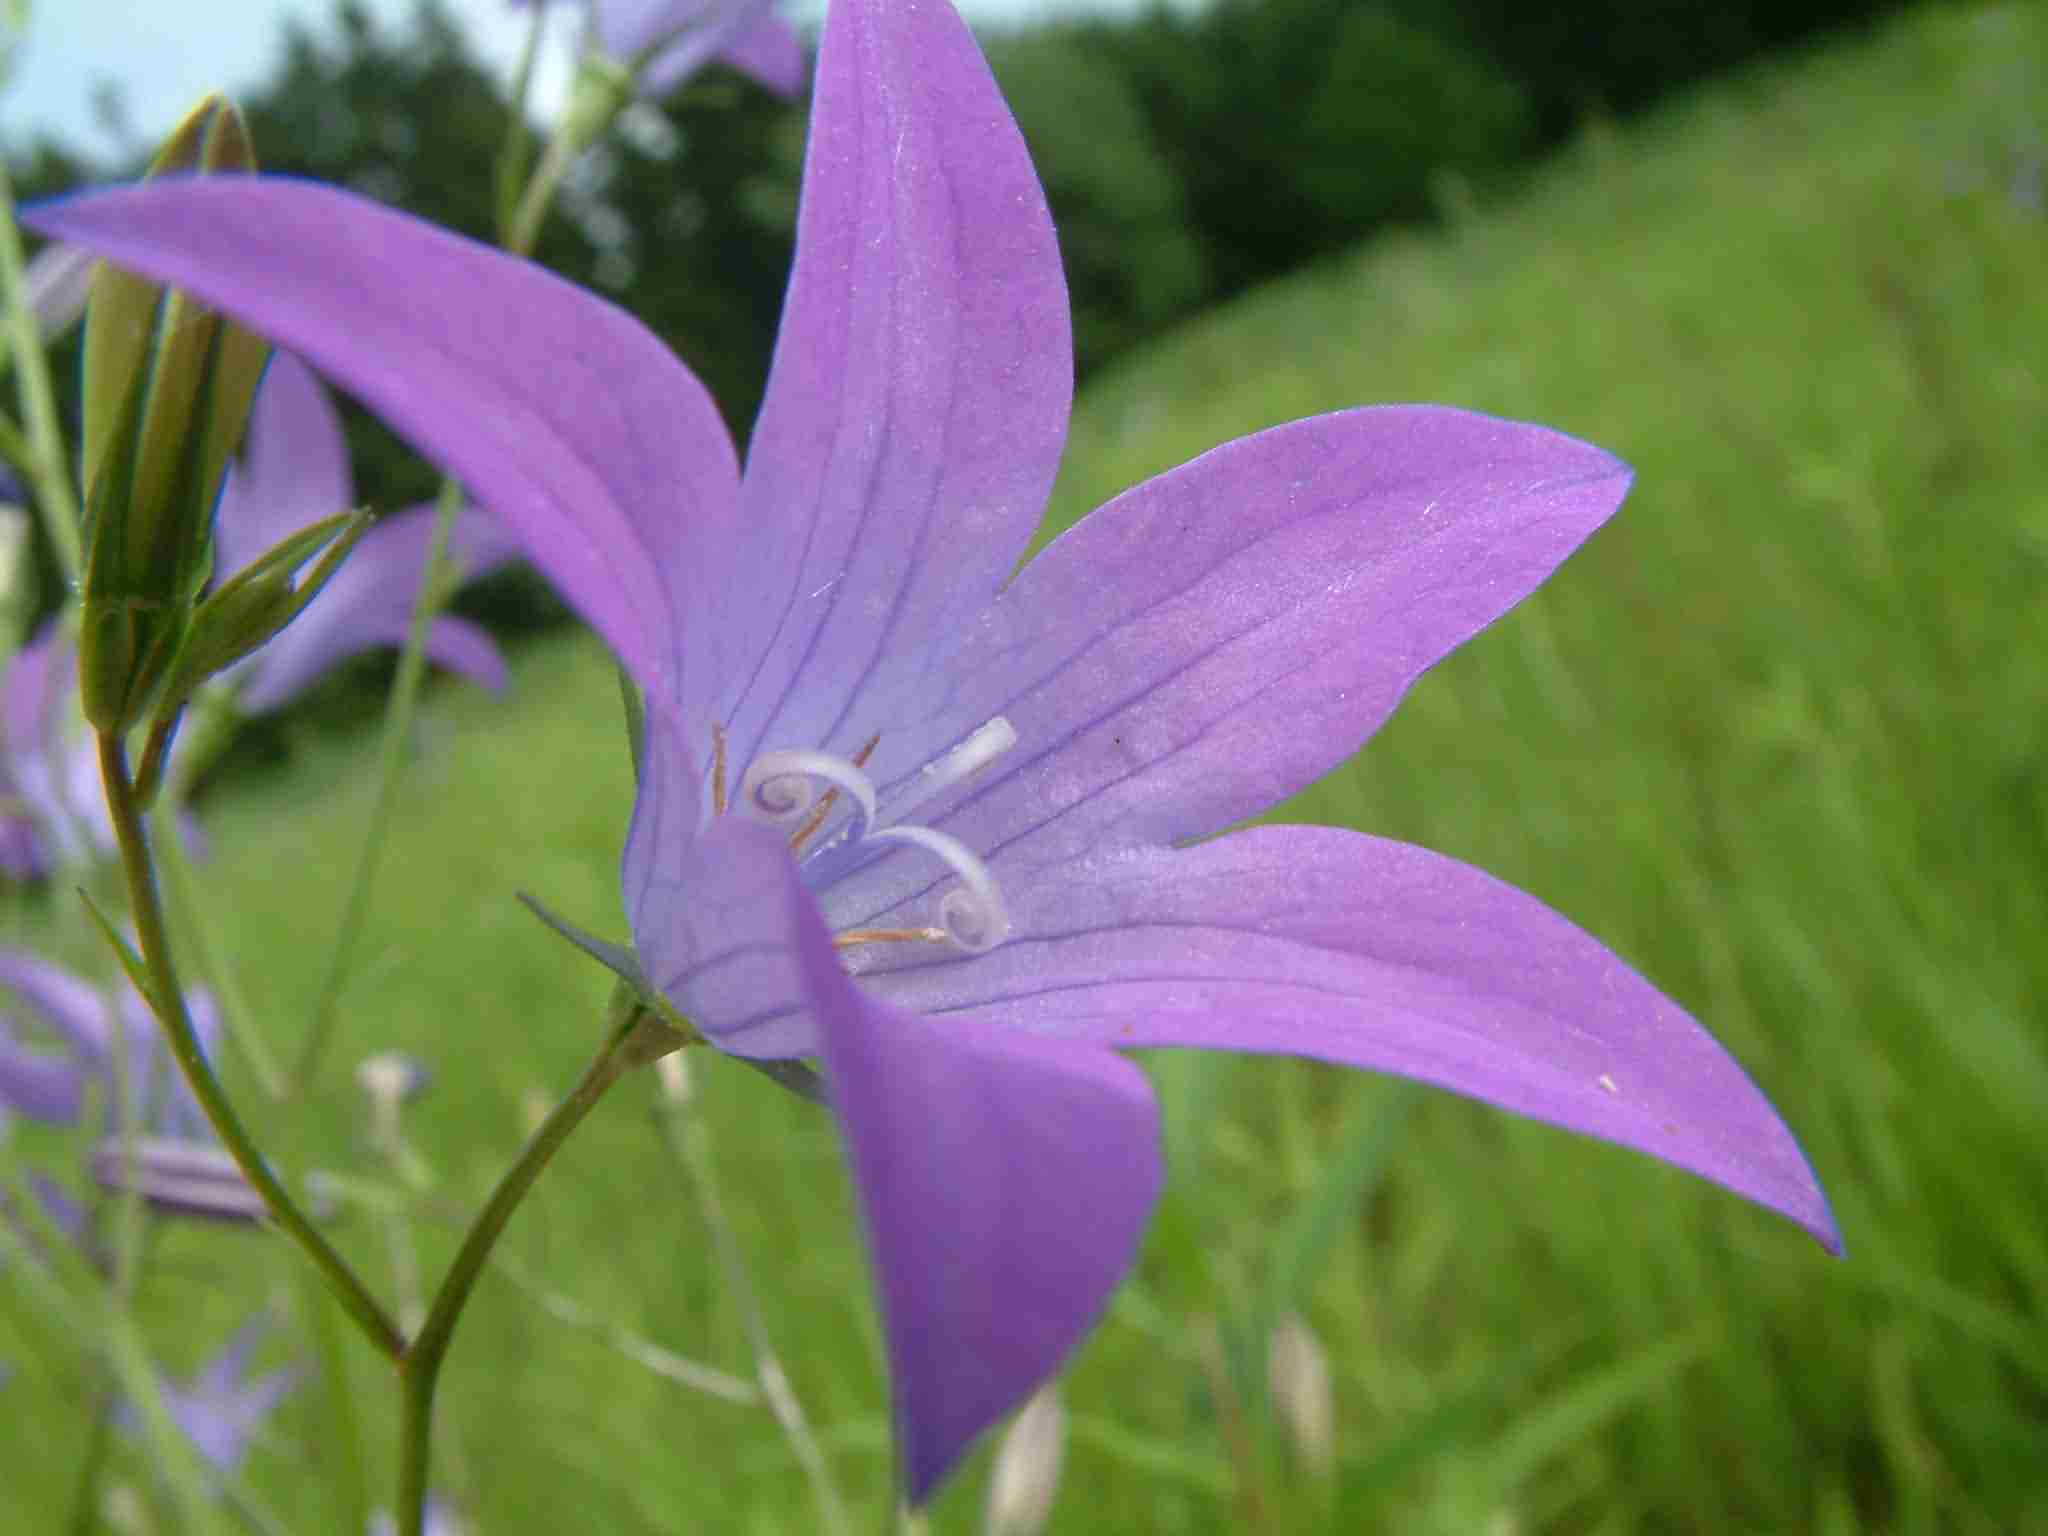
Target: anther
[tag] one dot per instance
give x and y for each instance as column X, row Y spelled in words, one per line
column 853, row 938
column 717, row 769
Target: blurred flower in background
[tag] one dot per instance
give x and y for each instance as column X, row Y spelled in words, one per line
column 69, row 1013
column 292, row 473
column 661, row 43
column 58, row 279
column 52, row 811
column 221, row 1407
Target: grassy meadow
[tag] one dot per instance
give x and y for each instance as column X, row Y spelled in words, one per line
column 1779, row 735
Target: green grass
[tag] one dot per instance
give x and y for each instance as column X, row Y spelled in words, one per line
column 1778, row 735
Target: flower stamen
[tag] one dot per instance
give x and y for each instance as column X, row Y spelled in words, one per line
column 717, row 769
column 855, row 937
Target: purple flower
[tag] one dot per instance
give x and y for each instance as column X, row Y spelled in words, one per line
column 221, row 1408
column 664, row 42
column 57, row 279
column 441, row 1520
column 74, row 1015
column 52, row 811
column 964, row 835
column 293, row 472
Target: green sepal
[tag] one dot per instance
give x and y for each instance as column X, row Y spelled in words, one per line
column 797, row 1077
column 168, row 386
column 636, row 719
column 238, row 618
column 619, row 959
column 247, row 611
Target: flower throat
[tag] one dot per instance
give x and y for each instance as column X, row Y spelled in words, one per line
column 828, row 804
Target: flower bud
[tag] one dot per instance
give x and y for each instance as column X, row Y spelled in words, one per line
column 1298, row 1375
column 392, row 1077
column 168, row 385
column 674, row 1073
column 1026, row 1477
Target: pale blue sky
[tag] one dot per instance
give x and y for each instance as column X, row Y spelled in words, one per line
column 165, row 54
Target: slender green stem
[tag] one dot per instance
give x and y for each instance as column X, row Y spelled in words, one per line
column 342, row 1445
column 168, row 1000
column 14, row 444
column 125, row 1281
column 512, row 156
column 47, row 468
column 214, row 971
column 601, row 92
column 420, row 1366
column 540, row 193
column 47, row 1268
column 399, row 713
column 85, row 1505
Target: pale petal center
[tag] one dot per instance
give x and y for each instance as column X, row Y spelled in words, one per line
column 812, row 792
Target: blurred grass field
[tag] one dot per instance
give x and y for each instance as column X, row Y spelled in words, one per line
column 1779, row 735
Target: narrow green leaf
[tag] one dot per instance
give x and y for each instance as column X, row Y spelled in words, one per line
column 131, row 962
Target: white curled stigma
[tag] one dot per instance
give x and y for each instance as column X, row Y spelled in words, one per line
column 783, row 787
column 971, row 914
column 799, row 788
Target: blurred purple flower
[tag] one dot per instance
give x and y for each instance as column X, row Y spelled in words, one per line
column 293, row 472
column 57, row 279
column 77, row 1018
column 961, row 833
column 441, row 1520
column 664, row 42
column 52, row 810
column 221, row 1408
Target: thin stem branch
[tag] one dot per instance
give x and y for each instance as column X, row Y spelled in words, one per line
column 342, row 1444
column 46, row 468
column 85, row 1504
column 665, row 1363
column 688, row 1140
column 420, row 1366
column 399, row 713
column 512, row 155
column 168, row 1001
column 601, row 92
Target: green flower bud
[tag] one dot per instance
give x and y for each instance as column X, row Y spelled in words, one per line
column 167, row 390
